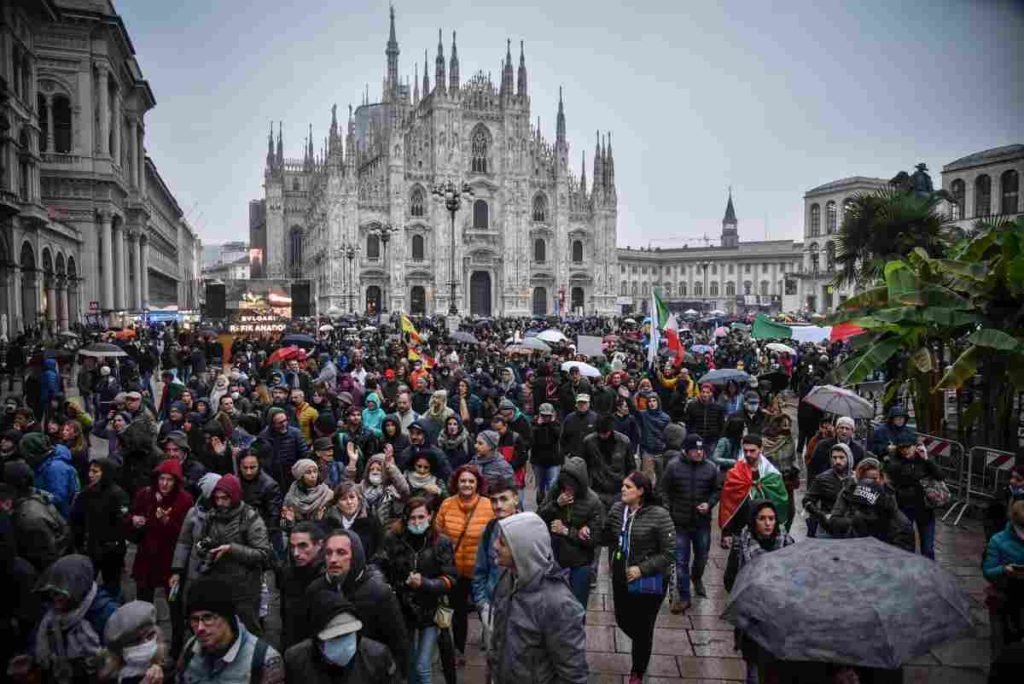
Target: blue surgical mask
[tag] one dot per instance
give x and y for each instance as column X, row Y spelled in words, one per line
column 339, row 650
column 418, row 528
column 753, row 405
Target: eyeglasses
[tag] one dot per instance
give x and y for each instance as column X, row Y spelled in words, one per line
column 206, row 619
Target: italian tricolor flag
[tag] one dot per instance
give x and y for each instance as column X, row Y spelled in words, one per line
column 663, row 323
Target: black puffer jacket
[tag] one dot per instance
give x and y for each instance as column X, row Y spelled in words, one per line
column 372, row 664
column 264, row 496
column 97, row 516
column 575, row 429
column 292, row 583
column 652, row 539
column 869, row 512
column 608, row 464
column 905, row 475
column 824, row 490
column 586, row 510
column 706, row 419
column 546, row 449
column 685, row 484
column 429, row 554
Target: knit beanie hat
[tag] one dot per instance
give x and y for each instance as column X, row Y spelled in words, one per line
column 19, row 475
column 230, row 485
column 212, row 594
column 33, row 447
column 490, row 437
column 206, row 484
column 301, row 466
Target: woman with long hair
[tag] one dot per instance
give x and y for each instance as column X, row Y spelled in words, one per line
column 454, row 440
column 72, row 436
column 641, row 539
column 350, row 512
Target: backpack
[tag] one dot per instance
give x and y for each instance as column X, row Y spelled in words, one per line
column 52, row 518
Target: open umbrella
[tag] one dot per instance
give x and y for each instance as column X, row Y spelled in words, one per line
column 102, row 350
column 552, row 335
column 326, row 327
column 298, row 340
column 463, row 337
column 721, row 376
column 533, row 344
column 586, row 369
column 286, row 354
column 701, row 349
column 721, row 331
column 716, row 312
column 780, row 348
column 776, row 381
column 840, row 401
column 690, row 312
column 884, row 606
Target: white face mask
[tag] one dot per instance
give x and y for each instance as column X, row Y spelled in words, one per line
column 1019, row 529
column 375, row 478
column 140, row 654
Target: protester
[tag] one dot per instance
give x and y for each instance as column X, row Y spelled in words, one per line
column 53, row 469
column 907, row 470
column 824, row 489
column 504, row 498
column 135, row 648
column 1004, row 569
column 97, row 520
column 41, row 533
column 305, row 564
column 307, row 498
column 491, row 464
column 351, row 512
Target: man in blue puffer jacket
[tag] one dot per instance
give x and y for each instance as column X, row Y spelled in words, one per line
column 53, row 469
column 51, row 385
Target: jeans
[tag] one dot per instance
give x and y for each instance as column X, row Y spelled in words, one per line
column 700, row 539
column 546, row 477
column 579, row 582
column 924, row 521
column 422, row 656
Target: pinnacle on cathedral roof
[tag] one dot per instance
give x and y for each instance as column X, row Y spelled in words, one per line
column 730, row 212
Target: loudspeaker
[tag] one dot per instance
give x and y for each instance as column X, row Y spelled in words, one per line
column 216, row 300
column 301, row 304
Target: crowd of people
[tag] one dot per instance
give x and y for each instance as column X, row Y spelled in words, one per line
column 375, row 480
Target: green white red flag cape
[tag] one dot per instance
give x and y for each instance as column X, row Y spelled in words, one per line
column 663, row 324
column 740, row 488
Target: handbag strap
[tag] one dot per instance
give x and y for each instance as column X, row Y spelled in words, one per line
column 469, row 519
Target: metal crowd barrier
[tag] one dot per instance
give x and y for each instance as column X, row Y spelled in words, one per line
column 987, row 471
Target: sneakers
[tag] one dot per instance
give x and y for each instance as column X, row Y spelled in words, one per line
column 678, row 606
column 698, row 588
column 635, row 678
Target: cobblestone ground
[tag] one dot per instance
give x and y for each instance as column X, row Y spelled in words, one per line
column 698, row 646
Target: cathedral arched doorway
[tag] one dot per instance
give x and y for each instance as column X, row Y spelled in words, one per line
column 480, row 293
column 540, row 301
column 418, row 301
column 576, row 299
column 372, row 300
column 29, row 305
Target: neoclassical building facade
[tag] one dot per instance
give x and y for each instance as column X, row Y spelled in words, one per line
column 985, row 185
column 88, row 224
column 358, row 219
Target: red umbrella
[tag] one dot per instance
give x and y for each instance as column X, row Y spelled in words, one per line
column 286, row 354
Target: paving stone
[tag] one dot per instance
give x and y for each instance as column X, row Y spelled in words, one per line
column 620, row 663
column 600, row 638
column 943, row 675
column 963, row 653
column 600, row 617
column 713, row 643
column 709, row 622
column 712, row 668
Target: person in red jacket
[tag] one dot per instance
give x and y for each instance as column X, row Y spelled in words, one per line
column 155, row 520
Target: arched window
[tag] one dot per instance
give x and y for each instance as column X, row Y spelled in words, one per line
column 958, row 189
column 634, row 288
column 623, row 290
column 295, row 249
column 577, row 251
column 830, row 217
column 416, row 202
column 815, row 229
column 540, row 251
column 295, row 184
column 62, row 124
column 698, row 289
column 730, row 289
column 481, row 215
column 982, row 196
column 714, row 269
column 748, row 287
column 682, row 289
column 44, row 122
column 713, row 288
column 417, row 248
column 668, row 289
column 540, row 207
column 372, row 246
column 830, row 255
column 481, row 143
column 764, row 288
column 1009, row 186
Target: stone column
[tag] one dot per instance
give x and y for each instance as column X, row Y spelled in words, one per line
column 141, row 155
column 107, row 260
column 50, row 147
column 62, row 304
column 51, row 302
column 137, row 244
column 144, row 260
column 116, row 124
column 132, row 164
column 118, row 266
column 104, row 142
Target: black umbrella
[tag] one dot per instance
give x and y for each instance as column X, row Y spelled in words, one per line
column 101, row 350
column 776, row 380
column 463, row 337
column 298, row 339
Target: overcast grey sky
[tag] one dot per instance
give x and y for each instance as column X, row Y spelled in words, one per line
column 771, row 98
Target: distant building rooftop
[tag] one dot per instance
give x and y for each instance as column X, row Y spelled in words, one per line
column 843, row 183
column 992, row 156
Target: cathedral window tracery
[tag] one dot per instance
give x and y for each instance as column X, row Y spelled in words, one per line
column 540, row 208
column 480, row 148
column 417, row 203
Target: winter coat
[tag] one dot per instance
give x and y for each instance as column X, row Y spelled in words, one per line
column 263, row 494
column 486, row 568
column 292, row 583
column 52, row 386
column 652, row 539
column 494, row 468
column 195, row 668
column 822, row 455
column 538, row 633
column 457, row 450
column 652, row 430
column 824, row 490
column 628, row 426
column 685, row 484
column 139, row 455
column 1004, row 548
column 41, row 533
column 884, row 435
column 367, row 526
column 56, row 474
column 575, row 429
column 905, row 475
column 476, row 410
column 705, row 418
column 97, row 517
column 286, row 448
column 853, row 517
column 546, row 450
column 305, row 416
column 372, row 664
column 726, row 454
column 429, row 554
column 607, row 472
column 406, row 458
column 242, row 566
column 455, row 517
column 157, row 539
column 585, row 511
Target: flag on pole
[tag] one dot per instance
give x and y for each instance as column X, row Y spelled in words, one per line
column 672, row 339
column 659, row 318
column 409, row 329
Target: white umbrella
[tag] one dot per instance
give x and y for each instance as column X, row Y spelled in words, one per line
column 586, row 369
column 690, row 312
column 326, row 327
column 552, row 335
column 716, row 312
column 840, row 401
column 780, row 348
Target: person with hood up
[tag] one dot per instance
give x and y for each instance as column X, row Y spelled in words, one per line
column 348, row 572
column 373, row 414
column 504, row 497
column 175, row 445
column 467, row 406
column 307, row 498
column 609, row 458
column 779, row 447
column 69, row 638
column 883, row 440
column 232, row 545
column 690, row 488
column 41, row 533
column 419, row 564
column 454, row 441
column 220, row 389
column 424, row 478
column 305, row 415
column 135, row 649
column 391, row 433
column 652, row 441
column 174, row 421
column 575, row 516
column 752, row 413
column 823, row 490
column 437, row 413
column 262, row 493
column 507, row 385
column 53, row 469
column 351, row 512
column 538, row 633
column 9, row 441
column 844, row 428
column 51, row 384
column 489, row 461
column 762, row 534
column 513, row 449
column 339, row 652
column 906, row 470
column 641, row 539
column 728, row 448
column 97, row 520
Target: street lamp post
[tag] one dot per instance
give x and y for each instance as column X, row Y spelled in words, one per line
column 452, row 196
column 350, row 254
column 384, row 232
column 704, row 292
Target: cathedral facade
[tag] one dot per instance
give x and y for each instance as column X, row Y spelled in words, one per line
column 358, row 217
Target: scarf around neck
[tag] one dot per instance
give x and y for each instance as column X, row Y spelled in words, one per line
column 307, row 501
column 67, row 636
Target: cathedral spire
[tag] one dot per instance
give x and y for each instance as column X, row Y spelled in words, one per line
column 270, row 146
column 730, row 232
column 426, row 77
column 610, row 164
column 598, row 164
column 416, row 85
column 439, row 78
column 560, row 121
column 521, row 86
column 391, row 90
column 583, row 175
column 506, row 71
column 280, row 144
column 453, row 68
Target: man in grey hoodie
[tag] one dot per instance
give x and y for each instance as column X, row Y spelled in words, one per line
column 538, row 633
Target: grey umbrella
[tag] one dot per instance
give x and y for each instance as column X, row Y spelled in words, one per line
column 859, row 602
column 721, row 376
column 463, row 337
column 533, row 344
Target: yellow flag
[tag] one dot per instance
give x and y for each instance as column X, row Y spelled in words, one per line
column 409, row 329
